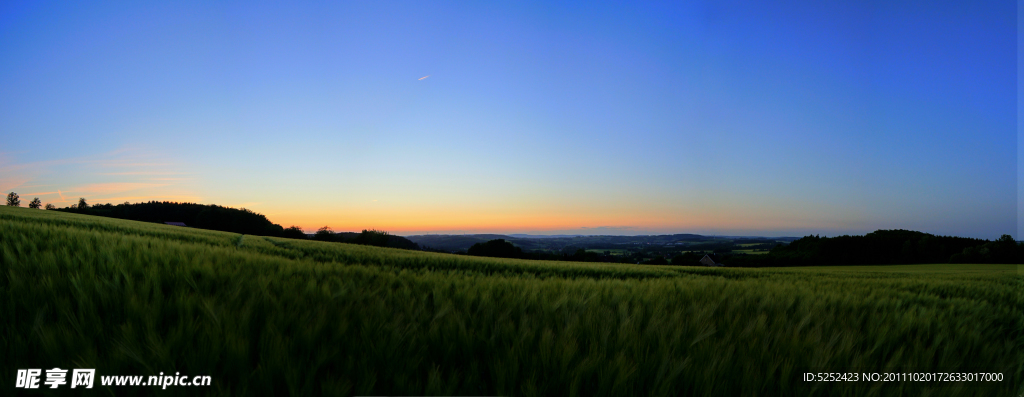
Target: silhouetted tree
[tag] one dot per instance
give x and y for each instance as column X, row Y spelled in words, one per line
column 324, row 234
column 372, row 237
column 294, row 232
column 35, row 203
column 13, row 200
column 1003, row 250
column 82, row 204
column 50, row 206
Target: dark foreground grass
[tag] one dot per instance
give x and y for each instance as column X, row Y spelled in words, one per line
column 274, row 316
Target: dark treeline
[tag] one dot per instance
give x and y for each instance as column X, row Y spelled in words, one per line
column 882, row 247
column 202, row 216
column 1003, row 250
column 499, row 248
column 885, row 247
column 242, row 221
column 366, row 237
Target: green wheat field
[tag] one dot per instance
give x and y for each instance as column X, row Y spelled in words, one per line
column 266, row 315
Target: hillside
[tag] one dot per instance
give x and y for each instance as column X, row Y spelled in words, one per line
column 225, row 219
column 212, row 217
column 265, row 315
column 462, row 242
column 881, row 247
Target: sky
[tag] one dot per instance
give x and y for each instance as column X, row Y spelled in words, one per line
column 720, row 117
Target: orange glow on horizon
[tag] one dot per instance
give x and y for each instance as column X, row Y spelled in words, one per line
column 480, row 222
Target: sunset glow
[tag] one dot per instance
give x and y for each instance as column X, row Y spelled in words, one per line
column 543, row 119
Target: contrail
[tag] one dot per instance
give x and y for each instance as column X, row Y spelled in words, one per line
column 421, row 78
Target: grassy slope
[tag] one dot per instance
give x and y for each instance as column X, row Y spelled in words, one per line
column 302, row 317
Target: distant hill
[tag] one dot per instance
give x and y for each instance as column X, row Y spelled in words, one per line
column 376, row 238
column 544, row 235
column 453, row 243
column 462, row 242
column 881, row 247
column 215, row 217
column 887, row 247
column 203, row 216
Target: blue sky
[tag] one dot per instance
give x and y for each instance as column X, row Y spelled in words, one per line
column 712, row 117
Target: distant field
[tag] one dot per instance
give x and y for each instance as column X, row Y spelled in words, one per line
column 275, row 316
column 749, row 252
column 611, row 251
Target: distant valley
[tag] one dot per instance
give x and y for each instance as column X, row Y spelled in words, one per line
column 660, row 245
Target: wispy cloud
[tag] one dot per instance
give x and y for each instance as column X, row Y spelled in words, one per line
column 421, row 78
column 112, row 187
column 143, row 174
column 40, row 193
column 13, row 176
